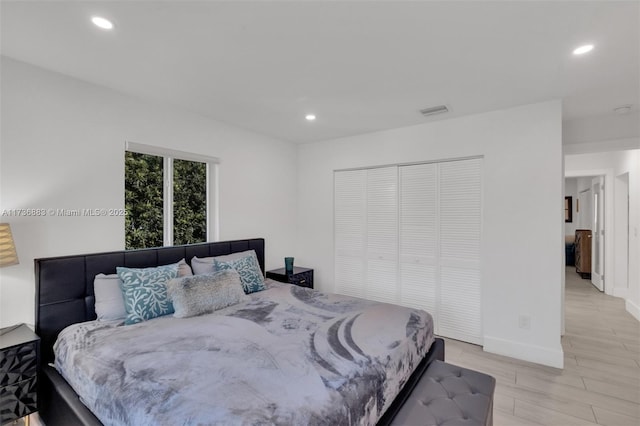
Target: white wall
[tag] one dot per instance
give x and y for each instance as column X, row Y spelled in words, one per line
column 613, row 129
column 615, row 164
column 62, row 146
column 583, row 183
column 522, row 266
column 621, row 232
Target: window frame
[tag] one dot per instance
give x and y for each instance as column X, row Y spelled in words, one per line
column 168, row 155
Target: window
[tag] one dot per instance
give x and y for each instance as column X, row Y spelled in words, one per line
column 167, row 197
column 189, row 202
column 143, row 200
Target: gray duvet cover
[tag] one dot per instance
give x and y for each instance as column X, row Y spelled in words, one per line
column 289, row 355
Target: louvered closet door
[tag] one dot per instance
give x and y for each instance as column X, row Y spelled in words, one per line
column 411, row 235
column 418, row 237
column 382, row 234
column 460, row 314
column 350, row 221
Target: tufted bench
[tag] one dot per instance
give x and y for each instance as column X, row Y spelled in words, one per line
column 448, row 395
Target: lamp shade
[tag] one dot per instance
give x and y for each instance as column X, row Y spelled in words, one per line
column 8, row 255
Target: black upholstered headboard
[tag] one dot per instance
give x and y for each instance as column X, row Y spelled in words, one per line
column 64, row 285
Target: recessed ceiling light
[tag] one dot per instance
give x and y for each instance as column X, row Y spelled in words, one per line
column 583, row 49
column 310, row 117
column 103, row 23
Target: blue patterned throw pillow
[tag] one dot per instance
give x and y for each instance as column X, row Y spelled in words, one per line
column 145, row 292
column 249, row 270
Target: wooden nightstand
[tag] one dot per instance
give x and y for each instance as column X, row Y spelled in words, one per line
column 300, row 276
column 19, row 358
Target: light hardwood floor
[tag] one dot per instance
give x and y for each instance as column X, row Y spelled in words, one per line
column 600, row 382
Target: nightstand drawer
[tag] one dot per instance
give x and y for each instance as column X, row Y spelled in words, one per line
column 18, row 363
column 304, row 279
column 18, row 400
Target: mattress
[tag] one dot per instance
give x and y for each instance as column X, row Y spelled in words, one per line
column 288, row 355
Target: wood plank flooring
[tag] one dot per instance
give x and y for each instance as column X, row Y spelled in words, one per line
column 600, row 383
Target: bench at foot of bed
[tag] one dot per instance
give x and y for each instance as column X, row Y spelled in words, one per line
column 449, row 395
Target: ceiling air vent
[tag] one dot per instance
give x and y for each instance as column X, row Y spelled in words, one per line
column 434, row 110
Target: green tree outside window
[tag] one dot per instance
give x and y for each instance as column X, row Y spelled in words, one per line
column 144, row 180
column 189, row 202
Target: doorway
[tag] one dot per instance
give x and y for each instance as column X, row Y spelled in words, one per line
column 589, row 215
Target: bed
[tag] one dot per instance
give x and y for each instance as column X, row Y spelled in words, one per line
column 303, row 357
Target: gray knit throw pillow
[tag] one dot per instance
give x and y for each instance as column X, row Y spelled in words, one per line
column 202, row 294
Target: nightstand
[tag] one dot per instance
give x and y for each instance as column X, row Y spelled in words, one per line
column 300, row 276
column 19, row 357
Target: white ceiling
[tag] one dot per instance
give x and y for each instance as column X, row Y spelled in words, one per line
column 360, row 66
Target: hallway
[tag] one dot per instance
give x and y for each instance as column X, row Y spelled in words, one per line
column 600, row 383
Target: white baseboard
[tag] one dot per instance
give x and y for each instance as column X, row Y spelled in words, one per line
column 531, row 353
column 632, row 308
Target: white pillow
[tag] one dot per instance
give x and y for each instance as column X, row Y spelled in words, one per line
column 205, row 265
column 109, row 303
column 109, row 300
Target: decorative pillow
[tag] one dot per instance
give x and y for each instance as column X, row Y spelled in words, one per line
column 184, row 270
column 202, row 265
column 202, row 294
column 249, row 270
column 145, row 291
column 109, row 302
column 205, row 265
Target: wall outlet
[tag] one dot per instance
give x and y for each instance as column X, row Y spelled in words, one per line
column 524, row 322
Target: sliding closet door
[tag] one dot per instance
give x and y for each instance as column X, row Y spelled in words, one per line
column 366, row 233
column 350, row 223
column 460, row 209
column 411, row 235
column 382, row 234
column 418, row 237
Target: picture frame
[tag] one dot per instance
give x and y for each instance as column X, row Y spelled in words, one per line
column 568, row 209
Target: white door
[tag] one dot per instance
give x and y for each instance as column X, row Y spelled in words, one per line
column 597, row 248
column 366, row 233
column 460, row 224
column 584, row 209
column 382, row 235
column 419, row 238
